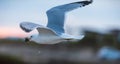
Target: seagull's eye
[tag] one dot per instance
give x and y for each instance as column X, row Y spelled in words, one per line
column 31, row 36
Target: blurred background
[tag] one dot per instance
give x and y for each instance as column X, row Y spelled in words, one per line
column 99, row 22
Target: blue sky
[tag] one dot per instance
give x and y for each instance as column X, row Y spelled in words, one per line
column 101, row 14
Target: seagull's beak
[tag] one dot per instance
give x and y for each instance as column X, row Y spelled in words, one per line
column 27, row 40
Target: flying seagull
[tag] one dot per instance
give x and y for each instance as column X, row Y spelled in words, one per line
column 54, row 31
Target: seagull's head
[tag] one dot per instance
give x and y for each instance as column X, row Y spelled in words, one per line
column 28, row 39
column 31, row 38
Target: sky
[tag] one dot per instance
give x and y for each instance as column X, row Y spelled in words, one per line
column 101, row 15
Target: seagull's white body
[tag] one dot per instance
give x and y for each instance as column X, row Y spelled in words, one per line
column 54, row 31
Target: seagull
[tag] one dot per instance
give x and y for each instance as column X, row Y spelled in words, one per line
column 54, row 31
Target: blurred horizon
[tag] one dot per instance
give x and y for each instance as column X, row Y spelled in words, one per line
column 19, row 33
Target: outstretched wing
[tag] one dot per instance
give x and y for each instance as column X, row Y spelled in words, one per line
column 56, row 15
column 29, row 26
column 42, row 30
column 46, row 31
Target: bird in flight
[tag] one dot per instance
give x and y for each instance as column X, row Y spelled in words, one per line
column 54, row 31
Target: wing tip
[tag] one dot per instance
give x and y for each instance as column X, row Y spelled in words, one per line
column 23, row 28
column 84, row 3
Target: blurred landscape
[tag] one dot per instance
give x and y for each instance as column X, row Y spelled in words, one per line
column 101, row 15
column 16, row 51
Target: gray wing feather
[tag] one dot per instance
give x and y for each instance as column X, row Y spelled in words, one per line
column 46, row 31
column 56, row 15
column 28, row 26
column 42, row 30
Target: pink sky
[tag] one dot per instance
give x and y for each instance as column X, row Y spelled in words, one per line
column 11, row 32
